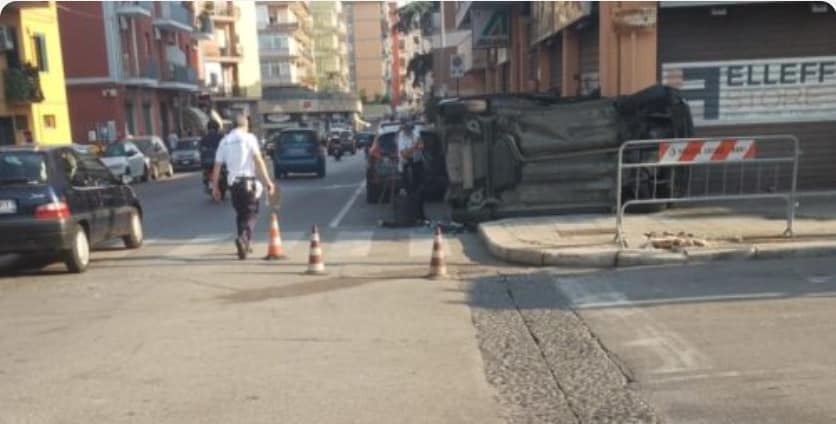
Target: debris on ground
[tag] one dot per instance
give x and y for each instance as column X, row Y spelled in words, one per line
column 673, row 241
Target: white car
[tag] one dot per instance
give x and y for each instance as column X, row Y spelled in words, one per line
column 126, row 162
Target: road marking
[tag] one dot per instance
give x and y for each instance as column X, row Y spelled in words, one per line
column 353, row 243
column 336, row 221
column 421, row 244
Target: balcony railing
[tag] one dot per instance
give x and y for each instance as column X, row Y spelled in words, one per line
column 23, row 85
column 150, row 70
column 225, row 11
column 134, row 8
column 180, row 74
column 204, row 28
column 174, row 16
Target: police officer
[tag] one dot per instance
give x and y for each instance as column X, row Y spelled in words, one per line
column 410, row 150
column 240, row 152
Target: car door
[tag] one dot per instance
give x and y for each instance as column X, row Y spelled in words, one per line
column 84, row 196
column 136, row 160
column 113, row 203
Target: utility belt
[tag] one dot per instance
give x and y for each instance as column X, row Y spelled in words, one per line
column 248, row 184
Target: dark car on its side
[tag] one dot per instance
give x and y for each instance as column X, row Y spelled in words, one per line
column 298, row 151
column 58, row 202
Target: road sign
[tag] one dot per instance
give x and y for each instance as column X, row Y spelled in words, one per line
column 457, row 66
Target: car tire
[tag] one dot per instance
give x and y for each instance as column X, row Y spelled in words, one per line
column 146, row 173
column 155, row 173
column 134, row 239
column 78, row 257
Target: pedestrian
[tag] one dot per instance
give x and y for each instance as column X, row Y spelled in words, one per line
column 412, row 167
column 239, row 152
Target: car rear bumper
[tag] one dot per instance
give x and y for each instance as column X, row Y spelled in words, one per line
column 299, row 165
column 29, row 236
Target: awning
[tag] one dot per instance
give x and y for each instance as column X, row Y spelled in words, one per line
column 195, row 119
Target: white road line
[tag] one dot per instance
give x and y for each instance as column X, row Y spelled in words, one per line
column 353, row 243
column 421, row 244
column 336, row 221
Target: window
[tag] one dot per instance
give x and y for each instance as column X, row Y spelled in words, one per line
column 129, row 118
column 146, row 113
column 213, row 79
column 39, row 41
column 273, row 42
column 147, row 44
column 275, row 70
column 49, row 121
column 21, row 122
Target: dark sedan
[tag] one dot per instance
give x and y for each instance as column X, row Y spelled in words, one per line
column 298, row 151
column 57, row 202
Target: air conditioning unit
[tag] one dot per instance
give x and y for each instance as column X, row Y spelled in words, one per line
column 123, row 23
column 6, row 39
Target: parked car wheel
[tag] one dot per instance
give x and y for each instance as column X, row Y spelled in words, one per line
column 78, row 257
column 155, row 173
column 134, row 239
column 146, row 173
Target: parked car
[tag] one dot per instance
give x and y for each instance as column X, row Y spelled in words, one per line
column 126, row 162
column 57, row 202
column 382, row 166
column 186, row 155
column 158, row 159
column 298, row 151
column 512, row 155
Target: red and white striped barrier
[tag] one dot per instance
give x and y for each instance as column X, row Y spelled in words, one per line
column 701, row 151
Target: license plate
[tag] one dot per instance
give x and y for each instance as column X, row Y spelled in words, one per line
column 296, row 152
column 185, row 162
column 8, row 206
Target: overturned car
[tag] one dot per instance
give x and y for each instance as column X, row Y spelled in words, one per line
column 519, row 155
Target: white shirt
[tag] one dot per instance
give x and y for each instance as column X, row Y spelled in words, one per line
column 236, row 150
column 406, row 142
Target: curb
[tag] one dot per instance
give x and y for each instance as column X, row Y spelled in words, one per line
column 611, row 257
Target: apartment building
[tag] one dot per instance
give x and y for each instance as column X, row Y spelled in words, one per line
column 368, row 34
column 33, row 105
column 229, row 66
column 285, row 45
column 131, row 68
column 330, row 46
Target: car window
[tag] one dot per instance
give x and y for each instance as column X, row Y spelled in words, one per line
column 187, row 145
column 70, row 166
column 22, row 167
column 144, row 145
column 94, row 171
column 296, row 139
column 115, row 150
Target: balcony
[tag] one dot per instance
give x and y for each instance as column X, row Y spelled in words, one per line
column 23, row 85
column 132, row 9
column 148, row 74
column 204, row 28
column 225, row 12
column 230, row 92
column 225, row 54
column 174, row 17
column 179, row 77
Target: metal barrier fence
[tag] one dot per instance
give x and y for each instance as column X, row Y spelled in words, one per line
column 661, row 172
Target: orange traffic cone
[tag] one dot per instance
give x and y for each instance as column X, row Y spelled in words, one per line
column 315, row 263
column 438, row 264
column 274, row 242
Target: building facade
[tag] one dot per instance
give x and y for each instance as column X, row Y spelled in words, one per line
column 367, row 35
column 745, row 68
column 285, row 44
column 33, row 107
column 229, row 71
column 330, row 46
column 137, row 71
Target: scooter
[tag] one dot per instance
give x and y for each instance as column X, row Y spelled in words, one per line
column 336, row 149
column 223, row 186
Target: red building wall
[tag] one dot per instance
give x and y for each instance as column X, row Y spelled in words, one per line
column 82, row 39
column 89, row 107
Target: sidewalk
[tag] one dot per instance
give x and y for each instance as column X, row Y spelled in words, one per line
column 748, row 231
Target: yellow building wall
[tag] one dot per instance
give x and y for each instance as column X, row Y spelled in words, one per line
column 249, row 70
column 44, row 20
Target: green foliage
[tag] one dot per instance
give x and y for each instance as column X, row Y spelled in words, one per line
column 23, row 84
column 416, row 15
column 419, row 66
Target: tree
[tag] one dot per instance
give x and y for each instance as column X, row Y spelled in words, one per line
column 416, row 15
column 419, row 66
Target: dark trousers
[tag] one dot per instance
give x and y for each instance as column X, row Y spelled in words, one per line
column 413, row 180
column 246, row 208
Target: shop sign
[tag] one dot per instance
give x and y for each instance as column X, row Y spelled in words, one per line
column 757, row 91
column 550, row 17
column 491, row 27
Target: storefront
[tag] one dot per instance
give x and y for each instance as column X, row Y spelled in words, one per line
column 750, row 69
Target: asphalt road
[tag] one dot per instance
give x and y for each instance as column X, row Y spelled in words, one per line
column 180, row 331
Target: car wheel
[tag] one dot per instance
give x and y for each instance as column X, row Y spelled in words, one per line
column 145, row 174
column 133, row 240
column 155, row 173
column 78, row 257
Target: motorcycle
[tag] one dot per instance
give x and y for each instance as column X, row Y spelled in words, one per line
column 336, row 149
column 223, row 185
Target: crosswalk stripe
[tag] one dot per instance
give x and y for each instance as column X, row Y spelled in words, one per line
column 353, row 243
column 420, row 244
